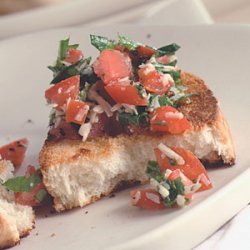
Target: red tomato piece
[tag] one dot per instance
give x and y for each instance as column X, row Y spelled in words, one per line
column 168, row 119
column 29, row 198
column 112, row 65
column 76, row 111
column 74, row 55
column 163, row 59
column 14, row 151
column 125, row 93
column 145, row 51
column 147, row 199
column 154, row 81
column 30, row 170
column 62, row 91
column 192, row 168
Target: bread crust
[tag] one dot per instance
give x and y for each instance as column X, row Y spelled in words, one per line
column 9, row 235
column 207, row 123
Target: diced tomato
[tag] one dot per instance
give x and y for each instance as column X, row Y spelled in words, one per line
column 112, row 65
column 62, row 91
column 74, row 55
column 30, row 170
column 192, row 168
column 29, row 198
column 168, row 119
column 174, row 175
column 147, row 199
column 145, row 51
column 125, row 93
column 14, row 151
column 163, row 59
column 76, row 111
column 155, row 82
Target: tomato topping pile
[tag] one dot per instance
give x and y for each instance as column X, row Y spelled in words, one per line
column 135, row 85
column 14, row 151
column 192, row 168
column 173, row 183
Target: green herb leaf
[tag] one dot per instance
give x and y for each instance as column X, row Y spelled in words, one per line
column 164, row 100
column 176, row 74
column 22, row 183
column 168, row 49
column 127, row 118
column 153, row 171
column 102, row 43
column 134, row 119
column 63, row 72
column 140, row 89
column 177, row 101
column 64, row 47
column 127, row 43
column 176, row 187
column 41, row 194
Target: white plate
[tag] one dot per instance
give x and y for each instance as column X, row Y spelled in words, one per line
column 219, row 54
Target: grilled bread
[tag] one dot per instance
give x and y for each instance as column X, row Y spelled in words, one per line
column 77, row 173
column 16, row 221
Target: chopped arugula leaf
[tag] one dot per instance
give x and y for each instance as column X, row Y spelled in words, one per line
column 168, row 49
column 127, row 118
column 176, row 187
column 22, row 183
column 127, row 43
column 133, row 119
column 173, row 63
column 102, row 43
column 41, row 194
column 176, row 74
column 153, row 171
column 63, row 72
column 164, row 100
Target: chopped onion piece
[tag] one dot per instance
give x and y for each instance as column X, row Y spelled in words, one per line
column 171, row 154
column 84, row 130
column 93, row 95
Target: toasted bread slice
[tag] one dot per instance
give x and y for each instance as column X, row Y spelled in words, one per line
column 16, row 221
column 77, row 173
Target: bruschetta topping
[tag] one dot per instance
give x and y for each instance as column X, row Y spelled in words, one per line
column 136, row 84
column 173, row 184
